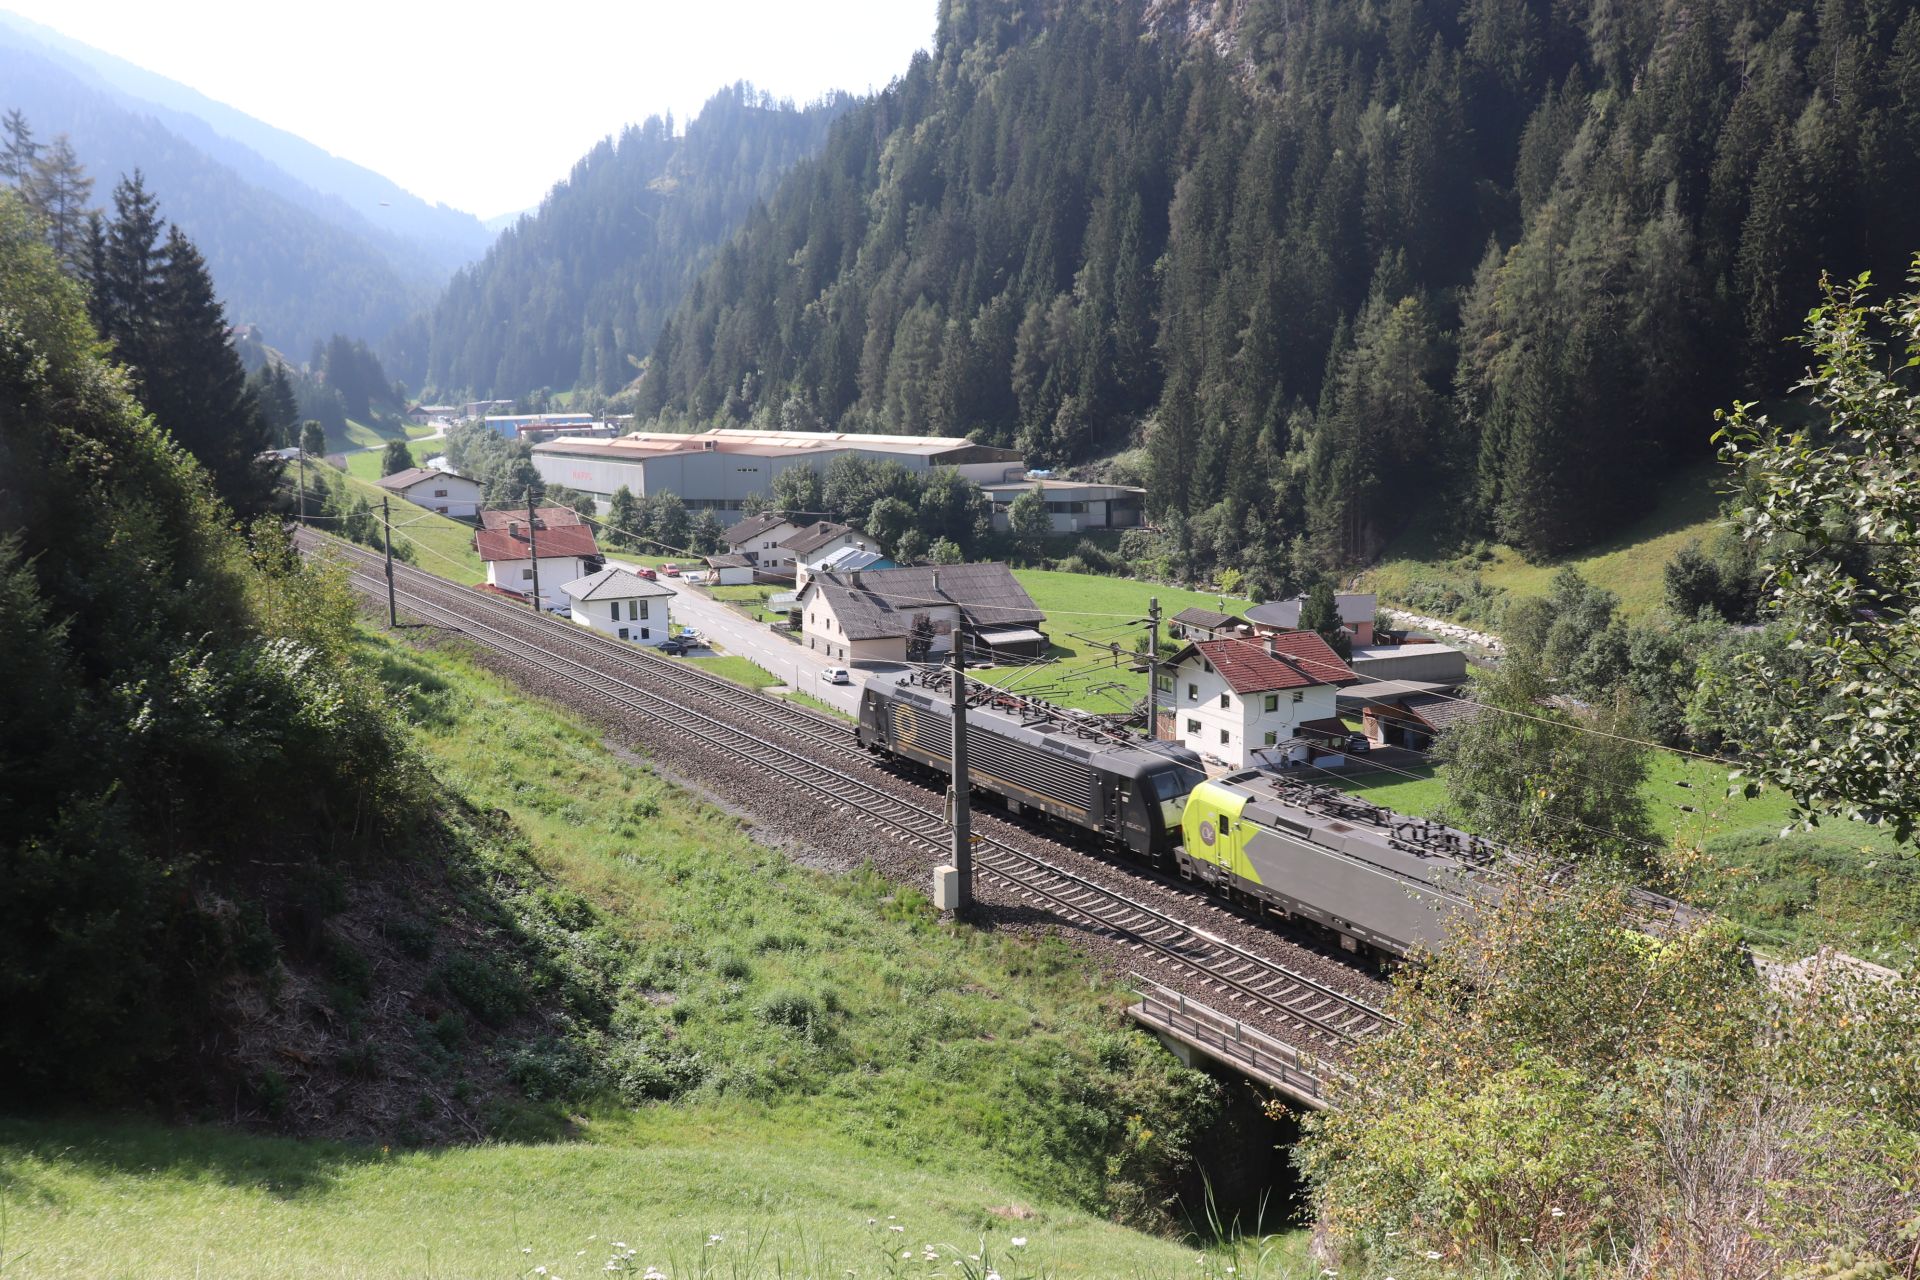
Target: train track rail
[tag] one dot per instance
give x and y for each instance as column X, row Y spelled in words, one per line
column 1322, row 1017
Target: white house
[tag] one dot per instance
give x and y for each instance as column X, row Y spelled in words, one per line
column 758, row 539
column 566, row 548
column 1356, row 611
column 1232, row 698
column 729, row 570
column 448, row 492
column 898, row 615
column 622, row 605
column 1073, row 506
column 819, row 542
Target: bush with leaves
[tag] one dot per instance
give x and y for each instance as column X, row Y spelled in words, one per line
column 1833, row 510
column 1561, row 1089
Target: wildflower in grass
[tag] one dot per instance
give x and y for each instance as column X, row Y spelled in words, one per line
column 906, row 1253
column 1018, row 1242
column 1433, row 1255
column 896, row 1228
column 715, row 1239
column 1557, row 1211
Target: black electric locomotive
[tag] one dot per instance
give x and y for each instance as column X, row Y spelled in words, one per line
column 1035, row 760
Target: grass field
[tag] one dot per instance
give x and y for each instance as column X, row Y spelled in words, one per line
column 441, row 546
column 966, row 1088
column 365, row 464
column 738, row 670
column 1630, row 564
column 373, row 433
column 1085, row 614
column 751, row 600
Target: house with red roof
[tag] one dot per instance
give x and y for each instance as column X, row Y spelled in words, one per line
column 507, row 544
column 1251, row 700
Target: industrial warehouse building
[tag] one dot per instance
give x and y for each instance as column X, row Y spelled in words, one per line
column 719, row 470
column 1073, row 506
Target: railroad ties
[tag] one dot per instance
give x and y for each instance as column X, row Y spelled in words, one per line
column 1316, row 1019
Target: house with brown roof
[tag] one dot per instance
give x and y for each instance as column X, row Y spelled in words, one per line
column 758, row 539
column 817, row 543
column 1196, row 623
column 1253, row 700
column 914, row 614
column 448, row 492
column 562, row 540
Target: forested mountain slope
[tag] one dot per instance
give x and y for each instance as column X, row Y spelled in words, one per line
column 276, row 260
column 419, row 237
column 574, row 294
column 1329, row 261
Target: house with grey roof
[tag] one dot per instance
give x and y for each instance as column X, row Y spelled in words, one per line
column 1356, row 611
column 915, row 614
column 620, row 604
column 758, row 540
column 1196, row 623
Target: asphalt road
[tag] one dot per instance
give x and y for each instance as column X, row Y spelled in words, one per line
column 730, row 631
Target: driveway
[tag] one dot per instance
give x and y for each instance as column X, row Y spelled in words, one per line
column 730, row 631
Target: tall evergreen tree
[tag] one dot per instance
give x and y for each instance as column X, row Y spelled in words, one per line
column 58, row 190
column 196, row 385
column 20, row 151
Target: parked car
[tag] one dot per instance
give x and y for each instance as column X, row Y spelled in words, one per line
column 691, row 636
column 675, row 646
column 836, row 675
column 671, row 570
column 642, row 571
column 1359, row 744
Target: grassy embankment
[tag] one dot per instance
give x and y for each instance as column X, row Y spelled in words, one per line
column 1417, row 571
column 441, row 545
column 751, row 600
column 862, row 1068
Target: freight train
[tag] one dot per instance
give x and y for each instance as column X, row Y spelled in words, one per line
column 1379, row 880
column 1039, row 760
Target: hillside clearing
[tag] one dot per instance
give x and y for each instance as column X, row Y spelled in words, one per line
column 1630, row 564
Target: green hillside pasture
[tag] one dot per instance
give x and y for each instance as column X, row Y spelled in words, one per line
column 141, row 1202
column 441, row 545
column 1844, row 884
column 739, row 670
column 1416, row 572
column 1085, row 613
column 365, row 464
column 373, row 433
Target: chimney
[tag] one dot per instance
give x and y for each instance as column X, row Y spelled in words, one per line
column 1271, row 651
column 513, row 528
column 856, row 577
column 936, row 582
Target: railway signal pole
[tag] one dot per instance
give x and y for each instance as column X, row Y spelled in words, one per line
column 1153, row 668
column 962, row 788
column 533, row 549
column 303, row 486
column 386, row 541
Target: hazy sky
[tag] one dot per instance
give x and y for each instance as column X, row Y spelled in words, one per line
column 484, row 105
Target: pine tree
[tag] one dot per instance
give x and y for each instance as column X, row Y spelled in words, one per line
column 196, row 385
column 395, row 458
column 20, row 151
column 313, row 438
column 623, row 515
column 128, row 300
column 58, row 189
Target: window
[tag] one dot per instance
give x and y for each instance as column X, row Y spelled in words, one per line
column 1206, row 666
column 643, row 609
column 1226, row 700
column 526, row 575
column 1164, row 682
column 646, row 633
column 613, row 611
column 441, row 510
column 1193, row 726
column 1273, row 702
column 439, row 493
column 1226, row 826
column 1299, row 696
column 1193, row 693
column 1272, row 737
column 623, row 633
column 1224, row 739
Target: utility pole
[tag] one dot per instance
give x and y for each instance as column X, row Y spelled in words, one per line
column 533, row 548
column 386, row 524
column 962, row 788
column 1153, row 668
column 303, row 486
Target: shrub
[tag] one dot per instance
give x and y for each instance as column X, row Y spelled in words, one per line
column 791, row 1007
column 490, row 993
column 553, row 1069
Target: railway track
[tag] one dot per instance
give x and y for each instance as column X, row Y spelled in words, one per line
column 1321, row 1017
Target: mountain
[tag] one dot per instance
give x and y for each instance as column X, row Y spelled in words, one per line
column 299, row 262
column 1327, row 265
column 573, row 295
column 421, row 235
